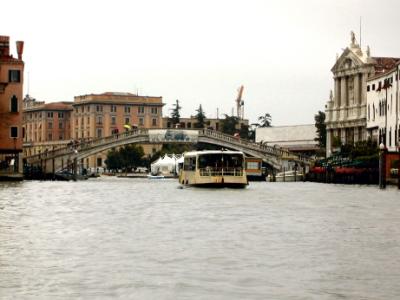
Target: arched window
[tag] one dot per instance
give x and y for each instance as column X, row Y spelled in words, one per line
column 14, row 104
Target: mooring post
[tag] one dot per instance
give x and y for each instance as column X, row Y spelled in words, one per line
column 75, row 171
column 382, row 166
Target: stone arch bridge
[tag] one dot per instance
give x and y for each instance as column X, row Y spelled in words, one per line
column 55, row 160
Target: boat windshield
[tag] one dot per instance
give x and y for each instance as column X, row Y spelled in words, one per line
column 220, row 161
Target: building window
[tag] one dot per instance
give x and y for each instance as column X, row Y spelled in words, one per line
column 60, row 115
column 373, row 87
column 127, row 121
column 60, row 125
column 49, row 136
column 50, row 114
column 13, row 132
column 99, row 108
column 60, row 137
column 141, row 110
column 14, row 76
column 154, row 122
column 168, row 124
column 14, row 104
column 189, row 125
column 50, row 125
column 367, row 88
column 113, row 120
column 113, row 108
column 154, row 110
column 99, row 120
column 141, row 121
column 127, row 109
column 99, row 132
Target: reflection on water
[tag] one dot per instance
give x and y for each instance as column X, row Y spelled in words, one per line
column 141, row 239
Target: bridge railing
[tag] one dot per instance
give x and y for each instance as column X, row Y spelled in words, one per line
column 75, row 147
column 283, row 153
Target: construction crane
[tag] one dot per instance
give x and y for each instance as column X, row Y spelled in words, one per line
column 240, row 103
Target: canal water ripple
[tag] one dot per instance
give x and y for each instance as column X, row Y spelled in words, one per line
column 116, row 238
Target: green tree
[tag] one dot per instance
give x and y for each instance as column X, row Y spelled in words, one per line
column 176, row 113
column 266, row 120
column 245, row 132
column 131, row 156
column 200, row 117
column 229, row 124
column 126, row 158
column 321, row 129
column 113, row 160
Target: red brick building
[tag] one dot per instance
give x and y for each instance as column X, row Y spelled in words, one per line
column 11, row 133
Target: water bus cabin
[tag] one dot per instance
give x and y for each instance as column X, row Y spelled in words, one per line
column 214, row 168
column 255, row 170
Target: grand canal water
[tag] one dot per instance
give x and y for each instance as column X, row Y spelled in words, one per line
column 114, row 238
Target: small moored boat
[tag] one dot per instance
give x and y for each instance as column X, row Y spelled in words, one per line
column 150, row 176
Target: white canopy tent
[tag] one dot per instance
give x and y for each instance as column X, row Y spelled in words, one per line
column 168, row 164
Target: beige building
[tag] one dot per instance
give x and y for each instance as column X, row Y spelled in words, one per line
column 100, row 115
column 346, row 109
column 47, row 126
column 53, row 125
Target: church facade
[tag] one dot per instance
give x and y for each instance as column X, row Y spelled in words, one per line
column 346, row 110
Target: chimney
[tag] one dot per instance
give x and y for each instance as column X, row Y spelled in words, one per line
column 4, row 46
column 20, row 49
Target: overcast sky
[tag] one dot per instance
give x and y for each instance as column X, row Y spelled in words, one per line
column 199, row 52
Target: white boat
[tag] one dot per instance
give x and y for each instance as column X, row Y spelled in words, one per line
column 216, row 168
column 150, row 176
column 289, row 176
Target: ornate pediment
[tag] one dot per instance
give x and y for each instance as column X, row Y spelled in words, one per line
column 350, row 59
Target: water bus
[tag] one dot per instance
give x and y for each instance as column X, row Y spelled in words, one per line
column 214, row 168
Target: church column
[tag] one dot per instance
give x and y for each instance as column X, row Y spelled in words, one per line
column 343, row 92
column 328, row 142
column 357, row 89
column 337, row 92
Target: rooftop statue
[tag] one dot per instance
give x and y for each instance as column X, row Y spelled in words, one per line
column 353, row 38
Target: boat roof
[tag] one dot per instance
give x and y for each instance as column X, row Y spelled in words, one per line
column 195, row 153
